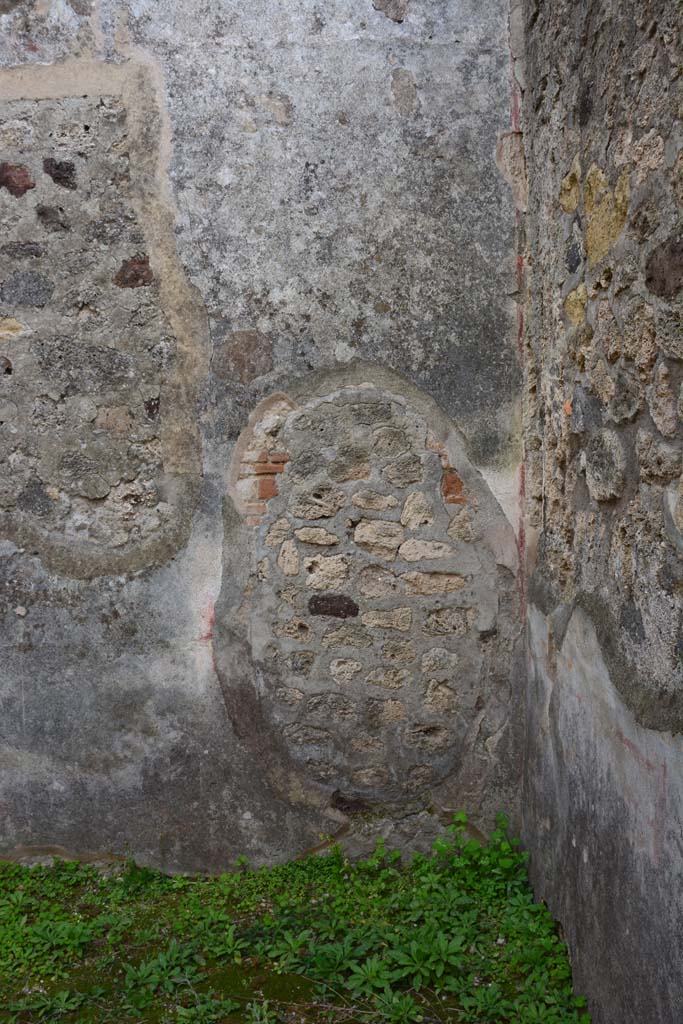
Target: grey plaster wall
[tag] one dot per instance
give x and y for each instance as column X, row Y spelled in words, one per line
column 208, row 208
column 604, row 436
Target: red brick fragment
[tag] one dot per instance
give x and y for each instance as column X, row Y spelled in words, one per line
column 267, row 487
column 260, row 468
column 134, row 273
column 452, row 488
column 16, row 179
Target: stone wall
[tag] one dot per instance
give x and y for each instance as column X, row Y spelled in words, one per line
column 604, row 438
column 260, row 410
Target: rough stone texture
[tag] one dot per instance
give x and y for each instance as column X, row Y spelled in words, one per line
column 604, row 437
column 365, row 746
column 207, row 207
column 97, row 387
column 603, row 143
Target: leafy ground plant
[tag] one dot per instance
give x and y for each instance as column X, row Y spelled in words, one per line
column 450, row 938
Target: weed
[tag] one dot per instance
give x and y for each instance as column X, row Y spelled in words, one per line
column 451, row 937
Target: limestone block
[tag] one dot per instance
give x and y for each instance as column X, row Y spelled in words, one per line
column 405, row 470
column 417, row 511
column 385, row 712
column 317, row 503
column 388, row 678
column 344, row 669
column 399, row 651
column 376, row 581
column 379, row 537
column 445, row 621
column 314, row 535
column 348, row 635
column 393, row 618
column 374, row 500
column 288, row 558
column 440, row 697
column 605, row 466
column 432, row 582
column 414, row 550
column 326, row 572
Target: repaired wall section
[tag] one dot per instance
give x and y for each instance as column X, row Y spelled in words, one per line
column 378, row 600
column 102, row 339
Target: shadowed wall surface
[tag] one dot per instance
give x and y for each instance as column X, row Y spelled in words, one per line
column 604, row 435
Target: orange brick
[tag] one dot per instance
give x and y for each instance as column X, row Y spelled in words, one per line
column 267, row 487
column 248, row 469
column 452, row 488
column 267, row 468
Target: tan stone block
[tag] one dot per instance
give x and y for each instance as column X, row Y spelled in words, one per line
column 318, row 503
column 372, row 777
column 570, row 189
column 374, row 500
column 439, row 661
column 326, row 572
column 390, row 441
column 444, row 621
column 417, row 511
column 420, row 775
column 344, row 669
column 405, row 470
column 575, row 305
column 461, row 526
column 606, row 212
column 379, row 537
column 415, row 550
column 330, row 705
column 316, row 535
column 278, row 533
column 661, row 402
column 385, row 712
column 9, row 328
column 348, row 635
column 289, row 695
column 440, row 697
column 293, row 629
column 388, row 618
column 288, row 558
column 376, row 581
column 398, row 651
column 432, row 582
column 388, row 678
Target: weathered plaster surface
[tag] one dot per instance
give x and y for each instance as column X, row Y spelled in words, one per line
column 272, row 199
column 604, row 811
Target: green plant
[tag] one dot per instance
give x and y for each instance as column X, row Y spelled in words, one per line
column 453, row 936
column 206, row 1010
column 260, row 1013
